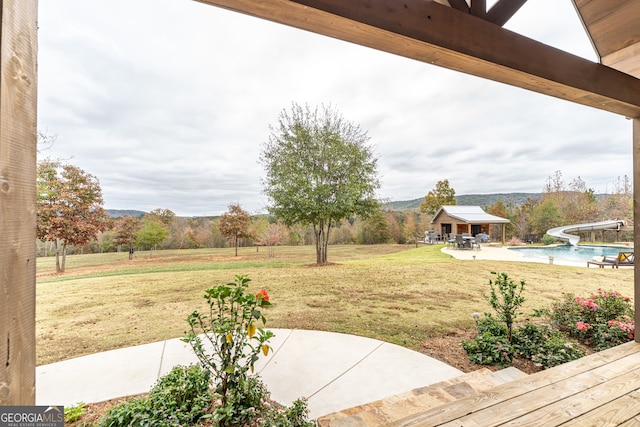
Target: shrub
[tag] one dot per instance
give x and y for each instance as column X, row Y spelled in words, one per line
column 230, row 330
column 602, row 320
column 181, row 397
column 544, row 346
column 489, row 349
column 506, row 298
column 547, row 240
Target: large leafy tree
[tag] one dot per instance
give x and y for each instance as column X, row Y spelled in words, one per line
column 151, row 233
column 70, row 208
column 234, row 225
column 319, row 170
column 441, row 195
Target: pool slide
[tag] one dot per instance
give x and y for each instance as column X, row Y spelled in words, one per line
column 560, row 233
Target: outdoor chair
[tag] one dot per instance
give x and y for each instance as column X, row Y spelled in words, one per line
column 476, row 243
column 452, row 240
column 459, row 241
column 624, row 259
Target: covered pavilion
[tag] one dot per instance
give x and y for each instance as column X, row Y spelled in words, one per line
column 458, row 219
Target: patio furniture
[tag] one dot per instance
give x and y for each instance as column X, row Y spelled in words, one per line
column 624, row 259
column 476, row 242
column 459, row 241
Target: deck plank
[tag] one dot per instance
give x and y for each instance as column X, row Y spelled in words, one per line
column 606, row 364
column 617, row 412
column 583, row 402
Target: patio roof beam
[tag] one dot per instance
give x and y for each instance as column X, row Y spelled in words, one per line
column 437, row 34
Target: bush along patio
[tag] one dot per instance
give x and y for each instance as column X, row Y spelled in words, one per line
column 221, row 391
column 600, row 321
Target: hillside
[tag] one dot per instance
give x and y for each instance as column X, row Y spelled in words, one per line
column 482, row 200
column 119, row 213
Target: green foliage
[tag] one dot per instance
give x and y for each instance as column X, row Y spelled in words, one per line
column 374, row 230
column 151, row 233
column 297, row 415
column 490, row 346
column 74, row 412
column 230, row 331
column 602, row 320
column 548, row 240
column 319, row 171
column 181, row 397
column 544, row 346
column 506, row 298
column 499, row 343
column 441, row 195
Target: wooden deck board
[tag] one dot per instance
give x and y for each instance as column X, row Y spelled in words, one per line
column 614, row 413
column 583, row 389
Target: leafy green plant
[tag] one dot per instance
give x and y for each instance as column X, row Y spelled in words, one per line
column 506, row 298
column 547, row 240
column 181, row 397
column 489, row 349
column 294, row 416
column 230, row 330
column 74, row 412
column 545, row 347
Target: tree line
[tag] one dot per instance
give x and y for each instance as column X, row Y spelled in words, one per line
column 321, row 179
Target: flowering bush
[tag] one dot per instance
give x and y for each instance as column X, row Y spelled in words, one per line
column 602, row 320
column 228, row 342
column 499, row 341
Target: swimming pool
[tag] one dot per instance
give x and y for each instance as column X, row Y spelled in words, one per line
column 569, row 252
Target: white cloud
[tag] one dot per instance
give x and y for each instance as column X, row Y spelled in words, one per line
column 168, row 101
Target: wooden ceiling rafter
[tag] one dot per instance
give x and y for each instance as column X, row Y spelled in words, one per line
column 499, row 13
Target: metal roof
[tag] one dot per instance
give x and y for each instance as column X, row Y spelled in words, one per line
column 470, row 215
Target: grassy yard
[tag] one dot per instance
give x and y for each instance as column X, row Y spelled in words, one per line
column 400, row 294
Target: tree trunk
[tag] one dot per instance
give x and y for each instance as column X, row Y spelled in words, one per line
column 64, row 256
column 235, row 242
column 57, row 252
column 321, row 232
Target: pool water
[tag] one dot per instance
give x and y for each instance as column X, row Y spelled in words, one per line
column 569, row 252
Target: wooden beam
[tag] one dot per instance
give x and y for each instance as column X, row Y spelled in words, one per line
column 503, row 10
column 18, row 53
column 436, row 34
column 460, row 5
column 478, row 8
column 636, row 222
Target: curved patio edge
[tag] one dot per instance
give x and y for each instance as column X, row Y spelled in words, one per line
column 333, row 371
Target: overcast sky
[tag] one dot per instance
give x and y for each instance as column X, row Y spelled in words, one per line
column 167, row 103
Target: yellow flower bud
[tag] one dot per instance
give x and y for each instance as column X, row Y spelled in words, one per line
column 251, row 330
column 230, row 337
column 265, row 349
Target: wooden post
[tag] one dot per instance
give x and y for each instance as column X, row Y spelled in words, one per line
column 18, row 87
column 636, row 218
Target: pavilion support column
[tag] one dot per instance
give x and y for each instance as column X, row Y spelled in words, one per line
column 636, row 219
column 18, row 87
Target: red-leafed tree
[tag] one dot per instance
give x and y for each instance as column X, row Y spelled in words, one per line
column 125, row 232
column 234, row 225
column 69, row 206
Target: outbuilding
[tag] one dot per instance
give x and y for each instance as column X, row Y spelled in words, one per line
column 473, row 220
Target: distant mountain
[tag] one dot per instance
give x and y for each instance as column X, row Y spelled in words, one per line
column 482, row 200
column 119, row 213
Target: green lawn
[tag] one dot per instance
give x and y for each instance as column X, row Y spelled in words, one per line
column 400, row 294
